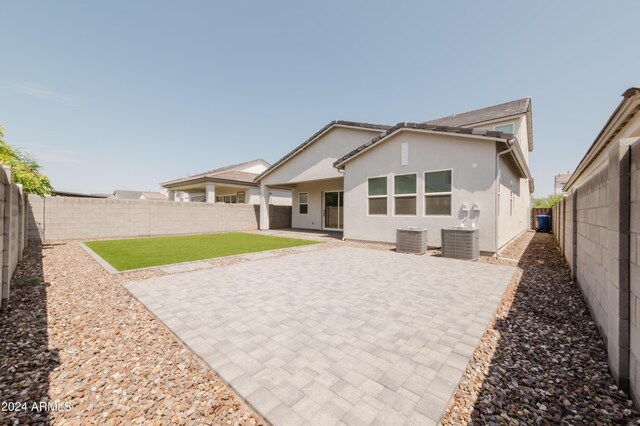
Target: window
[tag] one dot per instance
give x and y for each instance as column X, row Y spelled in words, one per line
column 303, row 202
column 507, row 128
column 377, row 194
column 437, row 193
column 404, row 191
column 241, row 199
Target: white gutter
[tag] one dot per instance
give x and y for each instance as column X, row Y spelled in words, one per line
column 500, row 154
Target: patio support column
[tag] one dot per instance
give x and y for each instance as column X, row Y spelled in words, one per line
column 264, row 206
column 172, row 195
column 210, row 193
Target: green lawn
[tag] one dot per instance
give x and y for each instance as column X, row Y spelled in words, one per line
column 144, row 252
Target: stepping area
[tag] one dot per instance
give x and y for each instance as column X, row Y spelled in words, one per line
column 336, row 336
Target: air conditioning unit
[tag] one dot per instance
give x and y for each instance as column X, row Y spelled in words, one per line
column 411, row 240
column 460, row 243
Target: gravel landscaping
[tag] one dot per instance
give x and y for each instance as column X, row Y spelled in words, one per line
column 541, row 360
column 74, row 335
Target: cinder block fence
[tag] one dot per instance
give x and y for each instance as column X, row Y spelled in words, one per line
column 68, row 218
column 597, row 227
column 13, row 229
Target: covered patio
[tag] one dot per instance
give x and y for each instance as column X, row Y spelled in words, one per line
column 316, row 204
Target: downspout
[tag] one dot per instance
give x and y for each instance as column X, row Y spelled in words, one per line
column 511, row 145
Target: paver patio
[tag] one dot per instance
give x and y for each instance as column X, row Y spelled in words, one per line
column 336, row 336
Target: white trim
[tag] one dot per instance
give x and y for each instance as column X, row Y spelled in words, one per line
column 303, row 204
column 394, row 214
column 431, row 194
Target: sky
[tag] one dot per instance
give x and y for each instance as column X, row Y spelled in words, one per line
column 125, row 95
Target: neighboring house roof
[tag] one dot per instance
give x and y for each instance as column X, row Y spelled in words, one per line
column 154, row 196
column 226, row 174
column 122, row 194
column 326, row 128
column 507, row 109
column 430, row 128
column 562, row 178
column 624, row 112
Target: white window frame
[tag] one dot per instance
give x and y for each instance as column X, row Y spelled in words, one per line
column 431, row 194
column 404, row 195
column 385, row 196
column 301, row 204
column 244, row 195
column 513, row 127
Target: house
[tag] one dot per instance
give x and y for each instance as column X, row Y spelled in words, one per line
column 122, row 194
column 230, row 184
column 559, row 181
column 366, row 180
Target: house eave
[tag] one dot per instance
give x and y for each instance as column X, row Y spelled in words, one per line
column 182, row 183
column 624, row 112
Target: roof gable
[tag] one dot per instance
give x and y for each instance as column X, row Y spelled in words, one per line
column 461, row 131
column 316, row 136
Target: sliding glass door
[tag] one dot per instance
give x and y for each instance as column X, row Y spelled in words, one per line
column 333, row 210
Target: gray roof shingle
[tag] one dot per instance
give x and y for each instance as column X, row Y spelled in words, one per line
column 507, row 109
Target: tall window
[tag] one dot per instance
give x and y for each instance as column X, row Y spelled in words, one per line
column 437, row 193
column 507, row 128
column 404, row 193
column 377, row 194
column 241, row 198
column 303, row 202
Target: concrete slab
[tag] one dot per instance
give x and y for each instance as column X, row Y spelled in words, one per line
column 334, row 336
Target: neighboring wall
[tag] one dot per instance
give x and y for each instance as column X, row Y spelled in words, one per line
column 13, row 230
column 63, row 218
column 597, row 226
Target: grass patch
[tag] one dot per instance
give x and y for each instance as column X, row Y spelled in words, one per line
column 145, row 252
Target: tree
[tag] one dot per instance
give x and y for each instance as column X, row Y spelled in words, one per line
column 25, row 170
column 547, row 202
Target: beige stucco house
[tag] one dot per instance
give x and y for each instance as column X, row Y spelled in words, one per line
column 367, row 180
column 233, row 184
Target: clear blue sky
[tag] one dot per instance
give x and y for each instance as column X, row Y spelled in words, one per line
column 125, row 95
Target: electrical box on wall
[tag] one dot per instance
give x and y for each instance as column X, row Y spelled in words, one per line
column 464, row 207
column 476, row 207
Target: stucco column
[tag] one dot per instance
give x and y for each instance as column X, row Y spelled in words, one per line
column 264, row 206
column 210, row 193
column 172, row 195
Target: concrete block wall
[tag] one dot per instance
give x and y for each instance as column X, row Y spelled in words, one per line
column 12, row 229
column 67, row 218
column 598, row 230
column 592, row 245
